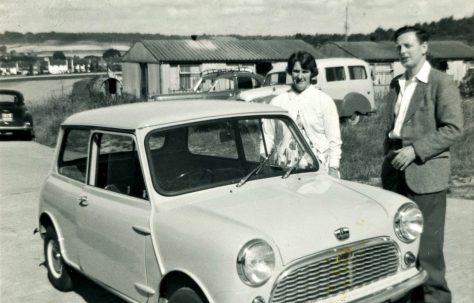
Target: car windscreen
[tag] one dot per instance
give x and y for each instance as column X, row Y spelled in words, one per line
column 225, row 151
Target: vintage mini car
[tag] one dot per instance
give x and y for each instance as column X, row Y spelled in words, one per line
column 14, row 116
column 217, row 201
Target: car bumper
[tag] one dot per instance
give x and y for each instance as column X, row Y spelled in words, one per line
column 10, row 129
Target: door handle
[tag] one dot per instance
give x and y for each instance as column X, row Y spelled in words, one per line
column 83, row 201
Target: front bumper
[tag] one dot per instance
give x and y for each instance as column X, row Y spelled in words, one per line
column 395, row 292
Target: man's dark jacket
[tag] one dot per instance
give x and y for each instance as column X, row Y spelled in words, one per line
column 434, row 121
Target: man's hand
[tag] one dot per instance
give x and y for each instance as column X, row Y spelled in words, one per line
column 334, row 172
column 404, row 157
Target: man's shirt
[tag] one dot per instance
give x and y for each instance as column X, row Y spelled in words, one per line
column 407, row 88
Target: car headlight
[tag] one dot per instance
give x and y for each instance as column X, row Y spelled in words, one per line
column 255, row 262
column 408, row 223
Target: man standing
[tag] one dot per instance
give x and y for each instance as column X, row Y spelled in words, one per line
column 425, row 119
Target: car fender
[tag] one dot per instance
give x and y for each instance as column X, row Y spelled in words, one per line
column 353, row 103
column 59, row 233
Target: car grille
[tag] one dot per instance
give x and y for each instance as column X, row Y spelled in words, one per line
column 336, row 271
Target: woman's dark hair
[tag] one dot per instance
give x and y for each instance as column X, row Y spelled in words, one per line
column 421, row 34
column 306, row 60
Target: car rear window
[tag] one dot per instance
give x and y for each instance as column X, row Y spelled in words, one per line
column 7, row 99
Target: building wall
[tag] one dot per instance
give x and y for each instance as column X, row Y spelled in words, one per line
column 131, row 78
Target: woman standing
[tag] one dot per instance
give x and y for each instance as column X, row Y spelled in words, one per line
column 314, row 112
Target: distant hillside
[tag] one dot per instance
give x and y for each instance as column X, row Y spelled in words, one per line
column 444, row 29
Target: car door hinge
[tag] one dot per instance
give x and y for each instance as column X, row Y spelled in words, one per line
column 147, row 290
column 141, row 230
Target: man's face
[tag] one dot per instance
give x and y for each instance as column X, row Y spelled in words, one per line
column 301, row 77
column 410, row 50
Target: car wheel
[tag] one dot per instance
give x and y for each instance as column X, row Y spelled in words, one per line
column 59, row 274
column 185, row 295
column 354, row 119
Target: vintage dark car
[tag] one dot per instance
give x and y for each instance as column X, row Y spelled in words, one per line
column 218, row 84
column 15, row 118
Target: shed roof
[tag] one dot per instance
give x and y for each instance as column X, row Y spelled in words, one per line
column 163, row 113
column 386, row 50
column 220, row 50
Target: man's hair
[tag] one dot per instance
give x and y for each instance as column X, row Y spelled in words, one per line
column 421, row 34
column 307, row 62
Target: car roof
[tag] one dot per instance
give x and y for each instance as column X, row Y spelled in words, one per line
column 227, row 73
column 162, row 113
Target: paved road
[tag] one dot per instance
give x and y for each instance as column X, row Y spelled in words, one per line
column 23, row 167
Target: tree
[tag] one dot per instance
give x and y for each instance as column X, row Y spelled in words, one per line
column 59, row 55
column 111, row 53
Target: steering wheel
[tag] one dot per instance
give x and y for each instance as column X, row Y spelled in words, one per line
column 193, row 178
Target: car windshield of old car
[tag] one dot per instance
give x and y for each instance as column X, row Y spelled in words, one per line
column 225, row 151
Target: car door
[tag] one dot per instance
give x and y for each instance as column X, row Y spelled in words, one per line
column 113, row 219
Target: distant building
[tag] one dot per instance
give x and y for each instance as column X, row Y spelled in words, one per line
column 9, row 68
column 56, row 66
column 153, row 67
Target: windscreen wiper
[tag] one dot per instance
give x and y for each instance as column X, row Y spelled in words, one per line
column 257, row 169
column 291, row 169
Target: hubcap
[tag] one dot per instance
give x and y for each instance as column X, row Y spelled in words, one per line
column 55, row 262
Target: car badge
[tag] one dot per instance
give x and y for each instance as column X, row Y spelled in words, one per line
column 342, row 233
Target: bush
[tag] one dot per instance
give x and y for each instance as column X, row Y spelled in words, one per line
column 49, row 115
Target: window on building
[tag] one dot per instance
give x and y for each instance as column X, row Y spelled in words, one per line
column 357, row 72
column 188, row 76
column 335, row 74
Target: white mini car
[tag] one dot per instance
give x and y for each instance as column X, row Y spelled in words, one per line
column 217, row 201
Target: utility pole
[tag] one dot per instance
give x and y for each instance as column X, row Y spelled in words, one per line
column 346, row 23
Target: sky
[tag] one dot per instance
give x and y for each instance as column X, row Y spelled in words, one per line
column 223, row 17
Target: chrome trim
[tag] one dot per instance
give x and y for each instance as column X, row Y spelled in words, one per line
column 241, row 259
column 24, row 127
column 396, row 222
column 395, row 291
column 331, row 252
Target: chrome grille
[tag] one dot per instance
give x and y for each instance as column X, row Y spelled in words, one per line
column 336, row 271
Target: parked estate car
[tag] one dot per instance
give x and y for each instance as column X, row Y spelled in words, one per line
column 346, row 80
column 15, row 118
column 218, row 84
column 186, row 201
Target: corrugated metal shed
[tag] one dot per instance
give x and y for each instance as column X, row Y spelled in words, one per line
column 385, row 51
column 173, row 51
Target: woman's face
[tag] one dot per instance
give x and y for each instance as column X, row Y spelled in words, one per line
column 301, row 77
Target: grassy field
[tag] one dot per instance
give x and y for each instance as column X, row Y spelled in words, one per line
column 362, row 152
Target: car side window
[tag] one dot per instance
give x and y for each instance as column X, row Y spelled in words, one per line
column 357, row 72
column 335, row 74
column 118, row 166
column 245, row 82
column 223, row 84
column 73, row 157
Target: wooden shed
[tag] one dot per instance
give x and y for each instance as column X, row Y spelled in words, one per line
column 153, row 67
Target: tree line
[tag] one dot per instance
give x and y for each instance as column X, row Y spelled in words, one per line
column 444, row 29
